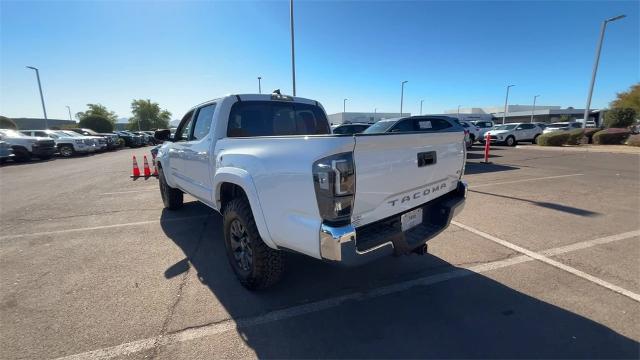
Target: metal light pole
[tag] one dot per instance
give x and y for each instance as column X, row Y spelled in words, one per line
column 44, row 109
column 595, row 66
column 458, row 112
column 293, row 52
column 259, row 85
column 69, row 109
column 402, row 95
column 421, row 101
column 344, row 105
column 506, row 100
column 534, row 107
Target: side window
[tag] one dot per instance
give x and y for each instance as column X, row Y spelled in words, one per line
column 405, row 125
column 576, row 125
column 528, row 126
column 203, row 122
column 182, row 133
column 432, row 124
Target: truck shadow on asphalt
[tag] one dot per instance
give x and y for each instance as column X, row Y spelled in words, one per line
column 470, row 316
column 472, row 168
column 546, row 205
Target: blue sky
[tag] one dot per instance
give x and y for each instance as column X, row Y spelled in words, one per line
column 182, row 53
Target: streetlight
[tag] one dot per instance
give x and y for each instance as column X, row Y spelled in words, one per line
column 402, row 95
column 421, row 101
column 293, row 56
column 595, row 66
column 344, row 105
column 506, row 100
column 259, row 85
column 459, row 112
column 534, row 106
column 69, row 109
column 44, row 110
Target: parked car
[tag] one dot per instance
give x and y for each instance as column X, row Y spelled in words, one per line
column 283, row 182
column 483, row 126
column 541, row 124
column 353, row 128
column 67, row 145
column 6, row 152
column 147, row 138
column 562, row 126
column 423, row 123
column 510, row 134
column 25, row 147
column 130, row 139
column 474, row 131
column 110, row 139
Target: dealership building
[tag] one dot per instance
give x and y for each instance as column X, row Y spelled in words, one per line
column 522, row 113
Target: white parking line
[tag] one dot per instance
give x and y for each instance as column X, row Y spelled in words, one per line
column 16, row 236
column 554, row 263
column 287, row 313
column 524, row 180
column 130, row 191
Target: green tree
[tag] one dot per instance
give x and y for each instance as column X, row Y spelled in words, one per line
column 619, row 117
column 6, row 123
column 98, row 110
column 148, row 115
column 97, row 123
column 628, row 99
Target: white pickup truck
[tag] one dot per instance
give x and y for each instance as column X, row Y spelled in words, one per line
column 283, row 182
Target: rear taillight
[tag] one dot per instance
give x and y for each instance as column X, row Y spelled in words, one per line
column 334, row 179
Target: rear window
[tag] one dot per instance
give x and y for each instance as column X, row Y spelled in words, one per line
column 275, row 118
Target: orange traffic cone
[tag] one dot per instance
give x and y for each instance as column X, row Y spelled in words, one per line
column 155, row 166
column 136, row 170
column 147, row 171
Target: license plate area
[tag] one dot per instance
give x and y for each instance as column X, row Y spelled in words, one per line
column 411, row 219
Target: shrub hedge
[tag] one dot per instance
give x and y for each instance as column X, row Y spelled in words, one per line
column 575, row 137
column 634, row 140
column 554, row 139
column 612, row 136
column 619, row 117
column 588, row 133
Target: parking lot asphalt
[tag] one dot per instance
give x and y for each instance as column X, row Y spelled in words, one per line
column 542, row 262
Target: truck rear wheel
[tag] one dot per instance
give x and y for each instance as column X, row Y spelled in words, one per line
column 256, row 265
column 171, row 198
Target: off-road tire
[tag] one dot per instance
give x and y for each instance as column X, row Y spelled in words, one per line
column 66, row 150
column 267, row 265
column 513, row 139
column 171, row 198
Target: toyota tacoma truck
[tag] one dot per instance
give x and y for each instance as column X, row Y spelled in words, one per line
column 282, row 182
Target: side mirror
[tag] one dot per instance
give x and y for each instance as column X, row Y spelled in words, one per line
column 162, row 135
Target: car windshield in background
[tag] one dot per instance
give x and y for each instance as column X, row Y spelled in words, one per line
column 12, row 133
column 505, row 127
column 380, row 127
column 71, row 133
column 275, row 118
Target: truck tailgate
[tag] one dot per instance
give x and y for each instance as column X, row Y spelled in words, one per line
column 398, row 172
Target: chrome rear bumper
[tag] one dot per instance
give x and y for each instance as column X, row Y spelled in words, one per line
column 355, row 246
